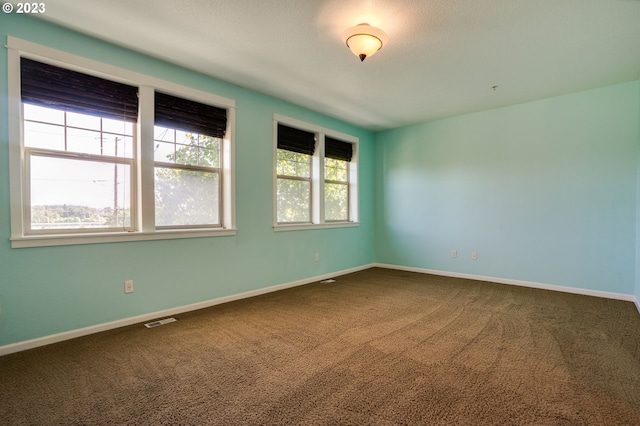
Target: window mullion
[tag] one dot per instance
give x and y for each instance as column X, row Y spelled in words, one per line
column 145, row 173
column 352, row 176
column 317, row 187
column 77, row 156
column 181, row 166
column 227, row 177
column 337, row 182
column 289, row 177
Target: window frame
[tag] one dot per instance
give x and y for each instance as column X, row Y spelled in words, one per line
column 196, row 168
column 317, row 178
column 143, row 214
column 86, row 157
column 298, row 179
column 39, row 152
column 339, row 182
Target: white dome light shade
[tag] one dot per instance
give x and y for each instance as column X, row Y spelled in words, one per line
column 364, row 40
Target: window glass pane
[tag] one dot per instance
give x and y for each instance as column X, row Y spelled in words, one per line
column 293, row 164
column 209, row 154
column 335, row 170
column 117, row 145
column 294, row 198
column 164, row 152
column 45, row 115
column 186, row 197
column 72, row 193
column 336, row 201
column 185, row 138
column 83, row 141
column 186, row 154
column 164, row 134
column 83, row 121
column 48, row 136
column 117, row 127
column 76, row 138
column 190, row 148
column 125, row 145
column 209, row 157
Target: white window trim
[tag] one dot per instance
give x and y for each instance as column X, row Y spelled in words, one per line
column 17, row 48
column 317, row 181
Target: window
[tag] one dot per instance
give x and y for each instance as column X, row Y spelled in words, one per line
column 293, row 169
column 187, row 150
column 315, row 179
column 338, row 155
column 79, row 171
column 78, row 150
column 101, row 154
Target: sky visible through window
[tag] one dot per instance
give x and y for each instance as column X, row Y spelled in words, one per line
column 81, row 183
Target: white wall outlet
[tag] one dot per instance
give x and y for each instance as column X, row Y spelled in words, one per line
column 317, row 257
column 474, row 255
column 454, row 253
column 128, row 286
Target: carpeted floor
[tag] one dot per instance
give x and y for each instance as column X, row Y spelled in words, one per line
column 377, row 347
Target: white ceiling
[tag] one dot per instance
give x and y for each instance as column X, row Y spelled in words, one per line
column 442, row 57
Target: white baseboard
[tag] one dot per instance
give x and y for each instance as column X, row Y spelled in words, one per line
column 574, row 290
column 67, row 335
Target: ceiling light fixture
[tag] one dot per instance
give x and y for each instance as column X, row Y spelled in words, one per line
column 364, row 40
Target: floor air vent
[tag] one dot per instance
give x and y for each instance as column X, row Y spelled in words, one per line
column 160, row 322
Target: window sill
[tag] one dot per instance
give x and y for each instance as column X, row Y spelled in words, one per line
column 96, row 238
column 307, row 226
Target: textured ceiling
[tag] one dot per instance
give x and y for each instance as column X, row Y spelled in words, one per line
column 443, row 56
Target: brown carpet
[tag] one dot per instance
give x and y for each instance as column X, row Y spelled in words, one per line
column 378, row 347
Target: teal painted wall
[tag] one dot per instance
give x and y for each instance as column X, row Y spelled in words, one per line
column 543, row 191
column 49, row 290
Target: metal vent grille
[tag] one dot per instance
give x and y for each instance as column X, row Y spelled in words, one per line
column 160, row 322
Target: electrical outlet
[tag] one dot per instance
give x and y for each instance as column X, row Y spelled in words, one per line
column 128, row 286
column 454, row 253
column 474, row 255
column 317, row 257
